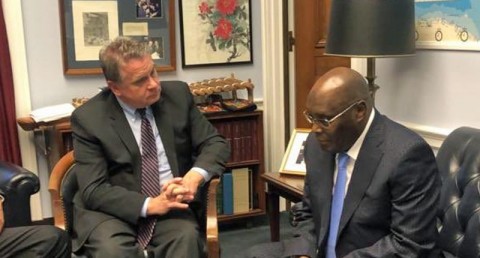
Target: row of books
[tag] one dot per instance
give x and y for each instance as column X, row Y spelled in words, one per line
column 234, row 193
column 242, row 137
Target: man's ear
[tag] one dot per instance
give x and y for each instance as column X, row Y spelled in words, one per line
column 113, row 86
column 361, row 109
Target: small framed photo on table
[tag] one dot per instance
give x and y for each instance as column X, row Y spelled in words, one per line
column 293, row 161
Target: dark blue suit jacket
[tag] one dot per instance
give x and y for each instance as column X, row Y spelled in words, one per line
column 390, row 206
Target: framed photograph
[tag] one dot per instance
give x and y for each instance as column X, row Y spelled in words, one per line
column 88, row 25
column 293, row 160
column 215, row 32
column 447, row 24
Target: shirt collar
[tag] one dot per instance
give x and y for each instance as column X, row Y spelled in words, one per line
column 130, row 111
column 355, row 149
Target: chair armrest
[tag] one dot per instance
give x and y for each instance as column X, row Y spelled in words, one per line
column 212, row 223
column 54, row 184
column 17, row 184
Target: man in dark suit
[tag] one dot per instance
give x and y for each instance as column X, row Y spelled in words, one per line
column 113, row 205
column 390, row 186
column 42, row 241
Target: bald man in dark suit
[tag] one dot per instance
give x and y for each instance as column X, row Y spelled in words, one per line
column 390, row 188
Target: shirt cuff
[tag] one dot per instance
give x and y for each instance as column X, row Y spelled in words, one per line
column 143, row 213
column 204, row 173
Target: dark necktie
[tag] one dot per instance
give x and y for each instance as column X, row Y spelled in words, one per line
column 150, row 177
column 337, row 204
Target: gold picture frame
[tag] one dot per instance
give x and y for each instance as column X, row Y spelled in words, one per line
column 293, row 160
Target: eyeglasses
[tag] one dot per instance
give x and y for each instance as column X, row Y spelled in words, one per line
column 325, row 122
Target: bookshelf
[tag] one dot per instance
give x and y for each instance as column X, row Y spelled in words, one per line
column 243, row 130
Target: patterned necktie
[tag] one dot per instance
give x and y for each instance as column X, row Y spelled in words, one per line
column 337, row 204
column 150, row 176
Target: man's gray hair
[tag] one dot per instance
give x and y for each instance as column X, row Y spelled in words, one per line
column 117, row 52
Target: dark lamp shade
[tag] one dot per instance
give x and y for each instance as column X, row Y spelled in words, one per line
column 371, row 28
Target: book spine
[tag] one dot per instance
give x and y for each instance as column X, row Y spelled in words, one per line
column 240, row 190
column 251, row 190
column 247, row 139
column 228, row 136
column 255, row 143
column 227, row 194
column 237, row 148
column 220, row 198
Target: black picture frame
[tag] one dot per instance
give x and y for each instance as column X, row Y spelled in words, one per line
column 87, row 25
column 215, row 32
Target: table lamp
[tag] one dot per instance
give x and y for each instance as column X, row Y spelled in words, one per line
column 371, row 29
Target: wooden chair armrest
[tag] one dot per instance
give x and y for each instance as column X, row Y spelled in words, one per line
column 54, row 184
column 212, row 223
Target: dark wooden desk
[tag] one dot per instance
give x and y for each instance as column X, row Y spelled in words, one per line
column 289, row 187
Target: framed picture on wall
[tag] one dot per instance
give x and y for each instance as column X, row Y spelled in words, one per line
column 293, row 161
column 453, row 25
column 88, row 25
column 215, row 32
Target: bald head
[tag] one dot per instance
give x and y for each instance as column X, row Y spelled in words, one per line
column 341, row 85
column 341, row 98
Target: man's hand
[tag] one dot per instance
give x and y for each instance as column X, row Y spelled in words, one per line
column 173, row 196
column 176, row 190
column 192, row 180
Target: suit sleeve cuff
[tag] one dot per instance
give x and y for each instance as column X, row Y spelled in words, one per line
column 203, row 172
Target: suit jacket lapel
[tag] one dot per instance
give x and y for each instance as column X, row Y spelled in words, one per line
column 167, row 135
column 365, row 167
column 326, row 186
column 120, row 125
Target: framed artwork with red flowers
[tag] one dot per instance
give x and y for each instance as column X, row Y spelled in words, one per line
column 88, row 25
column 215, row 32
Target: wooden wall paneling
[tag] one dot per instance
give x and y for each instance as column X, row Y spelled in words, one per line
column 311, row 29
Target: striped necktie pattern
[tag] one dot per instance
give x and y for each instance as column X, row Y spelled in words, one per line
column 150, row 176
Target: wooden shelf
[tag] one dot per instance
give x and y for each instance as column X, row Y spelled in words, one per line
column 243, row 215
column 242, row 163
column 244, row 132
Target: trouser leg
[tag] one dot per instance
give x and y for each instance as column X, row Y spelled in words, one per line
column 177, row 234
column 35, row 241
column 113, row 238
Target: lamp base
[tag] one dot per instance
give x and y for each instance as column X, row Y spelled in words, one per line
column 372, row 88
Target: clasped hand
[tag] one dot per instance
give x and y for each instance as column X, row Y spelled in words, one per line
column 176, row 194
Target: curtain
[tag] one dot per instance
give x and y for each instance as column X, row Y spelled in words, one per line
column 9, row 145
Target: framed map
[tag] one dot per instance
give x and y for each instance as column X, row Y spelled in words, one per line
column 447, row 24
